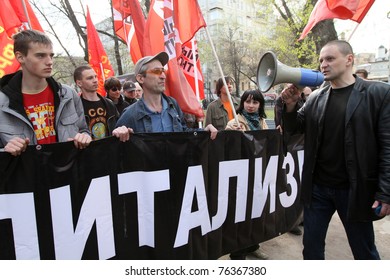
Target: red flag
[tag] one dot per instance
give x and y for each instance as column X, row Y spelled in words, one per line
column 192, row 70
column 30, row 18
column 97, row 56
column 188, row 18
column 162, row 34
column 129, row 25
column 12, row 19
column 354, row 10
column 8, row 63
column 345, row 8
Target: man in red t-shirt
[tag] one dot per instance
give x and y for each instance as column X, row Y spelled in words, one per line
column 34, row 108
column 37, row 108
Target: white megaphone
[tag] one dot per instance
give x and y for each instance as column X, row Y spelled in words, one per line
column 271, row 72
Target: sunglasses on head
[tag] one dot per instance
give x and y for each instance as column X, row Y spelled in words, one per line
column 156, row 71
column 115, row 89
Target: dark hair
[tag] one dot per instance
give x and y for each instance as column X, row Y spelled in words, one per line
column 363, row 72
column 78, row 72
column 344, row 47
column 254, row 94
column 23, row 39
column 112, row 82
column 219, row 85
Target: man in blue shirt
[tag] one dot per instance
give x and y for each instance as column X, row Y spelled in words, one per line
column 155, row 111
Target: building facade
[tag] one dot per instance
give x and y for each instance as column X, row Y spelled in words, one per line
column 232, row 25
column 377, row 66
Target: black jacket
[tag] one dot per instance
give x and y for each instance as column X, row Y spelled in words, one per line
column 121, row 105
column 366, row 144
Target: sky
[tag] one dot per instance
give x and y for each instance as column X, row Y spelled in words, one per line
column 371, row 33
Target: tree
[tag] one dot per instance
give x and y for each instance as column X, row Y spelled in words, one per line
column 296, row 18
column 233, row 51
column 59, row 13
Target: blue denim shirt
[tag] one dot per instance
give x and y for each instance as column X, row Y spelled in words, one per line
column 138, row 117
column 161, row 121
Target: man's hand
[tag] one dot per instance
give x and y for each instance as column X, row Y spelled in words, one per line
column 123, row 133
column 290, row 96
column 385, row 208
column 16, row 146
column 213, row 131
column 81, row 140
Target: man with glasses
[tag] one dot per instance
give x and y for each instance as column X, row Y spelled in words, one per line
column 155, row 111
column 100, row 112
column 113, row 89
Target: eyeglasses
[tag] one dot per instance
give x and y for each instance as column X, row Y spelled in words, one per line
column 156, row 71
column 115, row 89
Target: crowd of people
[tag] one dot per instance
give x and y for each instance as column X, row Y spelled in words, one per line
column 345, row 123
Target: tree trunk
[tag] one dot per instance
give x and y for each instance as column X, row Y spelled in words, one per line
column 323, row 32
column 76, row 25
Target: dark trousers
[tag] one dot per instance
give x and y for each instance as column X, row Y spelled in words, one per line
column 325, row 202
column 241, row 254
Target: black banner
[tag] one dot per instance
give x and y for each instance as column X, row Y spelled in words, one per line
column 158, row 196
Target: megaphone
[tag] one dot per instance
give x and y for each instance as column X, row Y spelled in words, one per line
column 271, row 72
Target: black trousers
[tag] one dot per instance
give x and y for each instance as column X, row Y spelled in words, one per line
column 241, row 254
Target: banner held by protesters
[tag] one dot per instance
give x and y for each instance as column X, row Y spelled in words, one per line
column 58, row 202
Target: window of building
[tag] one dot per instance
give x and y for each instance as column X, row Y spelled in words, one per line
column 216, row 14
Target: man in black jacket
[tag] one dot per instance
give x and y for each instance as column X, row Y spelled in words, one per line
column 347, row 153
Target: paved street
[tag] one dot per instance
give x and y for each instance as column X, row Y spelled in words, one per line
column 289, row 246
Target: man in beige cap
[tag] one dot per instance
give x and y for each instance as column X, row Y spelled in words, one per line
column 155, row 111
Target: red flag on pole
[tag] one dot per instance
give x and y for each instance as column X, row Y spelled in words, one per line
column 190, row 63
column 129, row 25
column 354, row 10
column 162, row 34
column 26, row 15
column 97, row 56
column 12, row 19
column 188, row 18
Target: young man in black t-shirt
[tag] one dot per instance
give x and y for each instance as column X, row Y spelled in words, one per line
column 100, row 112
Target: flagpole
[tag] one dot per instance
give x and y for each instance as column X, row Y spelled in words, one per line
column 195, row 69
column 200, row 124
column 353, row 32
column 26, row 14
column 223, row 77
column 103, row 77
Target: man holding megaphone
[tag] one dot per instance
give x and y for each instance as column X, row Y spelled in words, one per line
column 347, row 153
